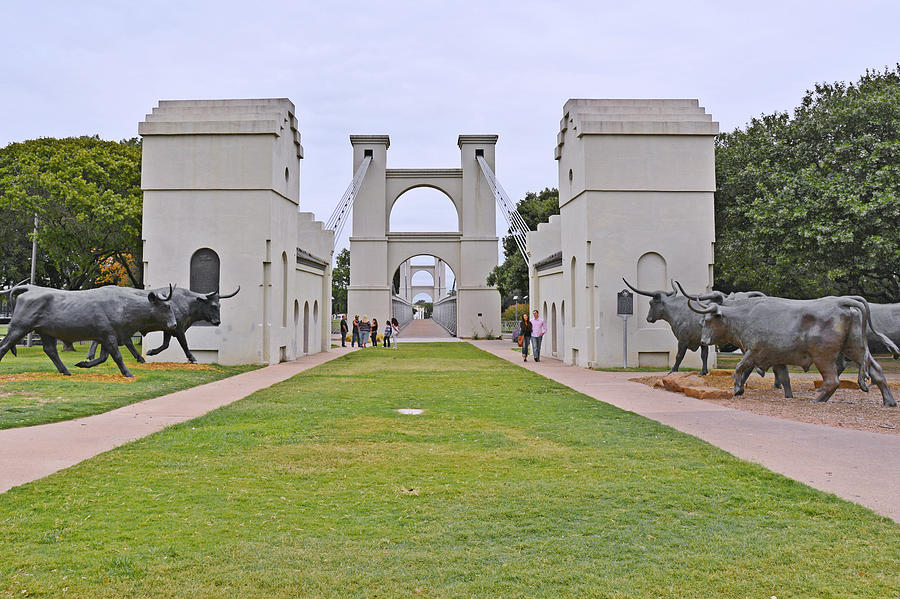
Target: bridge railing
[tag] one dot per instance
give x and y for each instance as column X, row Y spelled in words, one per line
column 401, row 309
column 444, row 313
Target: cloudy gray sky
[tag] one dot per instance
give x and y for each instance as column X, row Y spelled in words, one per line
column 423, row 72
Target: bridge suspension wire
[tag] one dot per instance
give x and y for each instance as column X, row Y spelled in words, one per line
column 339, row 217
column 517, row 225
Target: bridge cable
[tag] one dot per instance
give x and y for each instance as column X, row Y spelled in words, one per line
column 518, row 228
column 342, row 211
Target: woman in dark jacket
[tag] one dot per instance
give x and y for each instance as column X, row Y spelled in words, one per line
column 525, row 332
column 374, row 333
column 364, row 329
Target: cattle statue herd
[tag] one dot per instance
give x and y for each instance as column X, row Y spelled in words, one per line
column 775, row 332
column 108, row 316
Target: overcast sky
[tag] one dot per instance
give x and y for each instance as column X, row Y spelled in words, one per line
column 423, row 72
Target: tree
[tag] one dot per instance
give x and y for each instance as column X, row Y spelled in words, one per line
column 340, row 281
column 808, row 204
column 511, row 277
column 86, row 193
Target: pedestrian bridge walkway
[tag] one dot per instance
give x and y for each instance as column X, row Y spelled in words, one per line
column 425, row 330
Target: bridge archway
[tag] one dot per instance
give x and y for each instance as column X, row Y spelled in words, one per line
column 419, row 207
column 469, row 250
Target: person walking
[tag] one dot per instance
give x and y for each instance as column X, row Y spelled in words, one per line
column 365, row 327
column 374, row 334
column 344, row 329
column 538, row 328
column 355, row 338
column 395, row 326
column 525, row 333
column 388, row 330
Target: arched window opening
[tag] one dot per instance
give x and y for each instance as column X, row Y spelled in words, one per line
column 651, row 276
column 204, row 275
column 572, row 292
column 284, row 289
column 305, row 327
column 423, row 209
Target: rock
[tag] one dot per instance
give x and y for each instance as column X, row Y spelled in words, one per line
column 693, row 385
column 707, row 393
column 845, row 384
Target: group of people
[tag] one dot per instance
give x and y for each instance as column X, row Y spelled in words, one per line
column 531, row 332
column 365, row 332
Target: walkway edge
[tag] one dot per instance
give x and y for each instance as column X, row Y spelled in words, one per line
column 33, row 452
column 858, row 466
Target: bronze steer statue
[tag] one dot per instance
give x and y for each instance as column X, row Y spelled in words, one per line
column 776, row 331
column 189, row 307
column 782, row 378
column 108, row 315
column 686, row 325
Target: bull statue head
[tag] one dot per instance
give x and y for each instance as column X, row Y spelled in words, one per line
column 210, row 306
column 162, row 307
column 657, row 300
column 713, row 329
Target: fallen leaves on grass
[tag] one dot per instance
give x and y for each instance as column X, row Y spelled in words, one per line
column 172, row 366
column 55, row 376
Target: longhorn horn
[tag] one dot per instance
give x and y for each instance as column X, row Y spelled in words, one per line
column 167, row 298
column 704, row 309
column 230, row 294
column 685, row 293
column 674, row 291
column 638, row 291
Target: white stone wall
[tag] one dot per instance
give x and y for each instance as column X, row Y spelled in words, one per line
column 225, row 175
column 636, row 182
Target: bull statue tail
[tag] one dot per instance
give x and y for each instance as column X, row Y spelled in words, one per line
column 890, row 345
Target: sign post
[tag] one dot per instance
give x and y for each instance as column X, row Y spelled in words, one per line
column 624, row 309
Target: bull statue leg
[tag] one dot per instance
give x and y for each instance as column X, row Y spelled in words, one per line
column 92, row 351
column 682, row 349
column 95, row 361
column 182, row 341
column 830, row 380
column 134, row 352
column 49, row 344
column 704, row 354
column 742, row 372
column 112, row 348
column 167, row 336
column 13, row 336
column 877, row 374
column 783, row 380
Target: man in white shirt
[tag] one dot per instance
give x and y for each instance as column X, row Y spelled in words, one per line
column 538, row 328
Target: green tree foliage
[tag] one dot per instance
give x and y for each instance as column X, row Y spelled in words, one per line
column 808, row 204
column 340, row 281
column 511, row 277
column 86, row 193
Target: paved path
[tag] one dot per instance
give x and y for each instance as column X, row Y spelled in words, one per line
column 856, row 465
column 33, row 452
column 425, row 330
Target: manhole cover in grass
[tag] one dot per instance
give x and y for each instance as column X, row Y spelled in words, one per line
column 412, row 411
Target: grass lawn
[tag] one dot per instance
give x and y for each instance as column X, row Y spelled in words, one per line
column 508, row 485
column 47, row 396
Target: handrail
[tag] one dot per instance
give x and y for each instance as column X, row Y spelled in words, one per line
column 518, row 228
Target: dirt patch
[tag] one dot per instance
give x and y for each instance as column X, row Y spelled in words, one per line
column 171, row 366
column 55, row 376
column 848, row 407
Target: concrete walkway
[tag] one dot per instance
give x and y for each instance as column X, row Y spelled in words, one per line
column 424, row 330
column 858, row 466
column 33, row 452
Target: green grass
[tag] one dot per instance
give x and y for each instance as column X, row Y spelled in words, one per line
column 59, row 397
column 510, row 485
